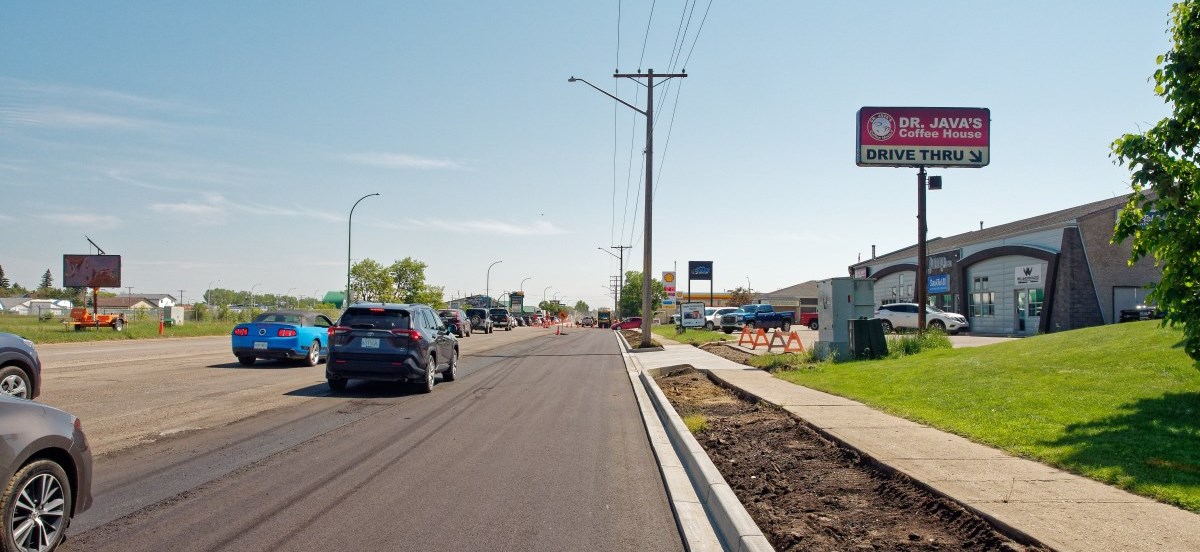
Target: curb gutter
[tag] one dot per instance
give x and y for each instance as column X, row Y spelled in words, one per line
column 709, row 514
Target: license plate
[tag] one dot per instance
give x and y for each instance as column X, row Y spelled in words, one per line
column 370, row 342
column 260, row 344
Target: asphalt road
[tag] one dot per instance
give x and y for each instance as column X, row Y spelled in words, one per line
column 537, row 446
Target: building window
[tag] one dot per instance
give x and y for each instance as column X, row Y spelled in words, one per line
column 1036, row 297
column 983, row 302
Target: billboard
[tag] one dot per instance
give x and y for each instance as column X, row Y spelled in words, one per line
column 923, row 137
column 700, row 270
column 92, row 271
column 516, row 301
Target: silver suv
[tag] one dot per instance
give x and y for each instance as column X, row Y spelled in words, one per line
column 904, row 315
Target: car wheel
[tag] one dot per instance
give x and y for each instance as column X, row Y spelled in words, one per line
column 314, row 354
column 814, row 326
column 451, row 373
column 246, row 360
column 118, row 324
column 887, row 326
column 430, row 374
column 785, row 325
column 36, row 505
column 15, row 382
column 336, row 384
column 708, row 326
column 727, row 330
column 750, row 325
column 938, row 325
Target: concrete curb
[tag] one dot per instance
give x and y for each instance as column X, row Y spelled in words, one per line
column 695, row 485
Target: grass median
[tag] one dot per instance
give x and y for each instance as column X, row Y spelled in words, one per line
column 53, row 330
column 1117, row 403
column 692, row 335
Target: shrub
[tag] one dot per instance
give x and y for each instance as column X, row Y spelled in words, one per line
column 912, row 344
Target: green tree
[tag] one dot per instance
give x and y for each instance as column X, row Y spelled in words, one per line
column 47, row 283
column 371, row 281
column 409, row 276
column 582, row 308
column 1160, row 217
column 4, row 283
column 631, row 294
column 740, row 296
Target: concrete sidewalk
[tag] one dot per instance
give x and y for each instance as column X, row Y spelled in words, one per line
column 1061, row 510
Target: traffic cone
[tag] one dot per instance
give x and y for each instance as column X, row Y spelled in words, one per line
column 558, row 330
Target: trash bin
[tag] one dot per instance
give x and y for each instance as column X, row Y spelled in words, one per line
column 866, row 339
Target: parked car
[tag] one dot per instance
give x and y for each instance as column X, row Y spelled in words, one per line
column 587, row 322
column 480, row 320
column 283, row 334
column 713, row 316
column 502, row 319
column 458, row 319
column 631, row 323
column 528, row 320
column 1140, row 312
column 20, row 367
column 45, row 474
column 757, row 316
column 904, row 315
column 391, row 342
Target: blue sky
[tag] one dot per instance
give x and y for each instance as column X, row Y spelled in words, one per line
column 227, row 140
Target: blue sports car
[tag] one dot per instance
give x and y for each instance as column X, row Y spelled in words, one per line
column 285, row 334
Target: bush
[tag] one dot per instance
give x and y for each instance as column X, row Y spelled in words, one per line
column 912, row 344
column 772, row 362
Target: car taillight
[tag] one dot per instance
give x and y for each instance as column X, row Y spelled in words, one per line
column 410, row 334
column 337, row 330
column 241, row 331
column 285, row 332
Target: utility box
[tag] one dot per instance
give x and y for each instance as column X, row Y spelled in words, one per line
column 173, row 316
column 840, row 300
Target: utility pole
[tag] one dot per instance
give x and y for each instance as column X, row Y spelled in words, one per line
column 648, row 225
column 621, row 263
column 181, row 302
column 922, row 277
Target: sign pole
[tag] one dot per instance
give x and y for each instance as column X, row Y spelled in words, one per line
column 922, row 269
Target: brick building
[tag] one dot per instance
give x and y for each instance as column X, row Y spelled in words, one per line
column 1047, row 273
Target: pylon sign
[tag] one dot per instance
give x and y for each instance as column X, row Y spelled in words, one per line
column 923, row 137
column 668, row 279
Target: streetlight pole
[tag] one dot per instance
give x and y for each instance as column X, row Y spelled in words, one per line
column 621, row 272
column 522, row 288
column 647, row 226
column 252, row 295
column 288, row 295
column 544, row 293
column 210, row 284
column 349, row 230
column 488, row 283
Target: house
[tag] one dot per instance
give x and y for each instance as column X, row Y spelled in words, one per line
column 124, row 302
column 160, row 300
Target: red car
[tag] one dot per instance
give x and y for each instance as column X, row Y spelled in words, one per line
column 632, row 323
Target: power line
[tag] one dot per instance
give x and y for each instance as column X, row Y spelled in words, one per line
column 647, row 37
column 697, row 37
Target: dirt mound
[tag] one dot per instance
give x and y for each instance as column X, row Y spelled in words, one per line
column 808, row 493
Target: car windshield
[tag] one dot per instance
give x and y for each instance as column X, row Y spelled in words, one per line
column 376, row 319
column 499, row 311
column 278, row 318
column 447, row 314
column 931, row 308
column 709, row 311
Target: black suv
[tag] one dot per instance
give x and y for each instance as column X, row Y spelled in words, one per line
column 390, row 342
column 502, row 319
column 20, row 368
column 479, row 320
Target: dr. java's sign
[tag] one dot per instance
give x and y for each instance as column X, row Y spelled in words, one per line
column 923, row 136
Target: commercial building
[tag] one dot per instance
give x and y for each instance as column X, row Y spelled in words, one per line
column 1048, row 273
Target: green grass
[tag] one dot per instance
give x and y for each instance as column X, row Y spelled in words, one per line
column 693, row 336
column 695, row 422
column 53, row 331
column 1117, row 403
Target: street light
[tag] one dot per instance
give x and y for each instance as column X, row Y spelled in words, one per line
column 349, row 229
column 210, row 284
column 748, row 288
column 522, row 288
column 648, row 225
column 288, row 295
column 544, row 293
column 252, row 295
column 488, row 282
column 620, row 275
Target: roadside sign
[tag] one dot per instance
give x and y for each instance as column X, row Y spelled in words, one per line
column 668, row 279
column 692, row 314
column 939, row 283
column 923, row 137
column 700, row 270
